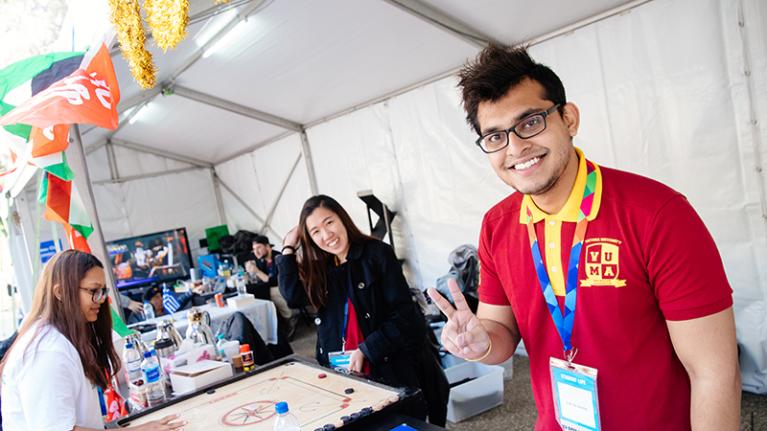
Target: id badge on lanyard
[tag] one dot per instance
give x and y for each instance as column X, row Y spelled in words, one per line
column 340, row 361
column 573, row 386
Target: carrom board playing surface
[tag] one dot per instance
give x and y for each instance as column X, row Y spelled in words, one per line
column 316, row 396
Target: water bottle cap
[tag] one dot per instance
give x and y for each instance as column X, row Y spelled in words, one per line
column 148, row 354
column 128, row 345
column 281, row 407
column 220, row 336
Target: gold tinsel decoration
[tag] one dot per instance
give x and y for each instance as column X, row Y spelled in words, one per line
column 218, row 2
column 126, row 18
column 167, row 19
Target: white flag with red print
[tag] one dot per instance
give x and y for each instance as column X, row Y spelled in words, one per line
column 89, row 95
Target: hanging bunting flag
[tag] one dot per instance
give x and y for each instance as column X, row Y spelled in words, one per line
column 47, row 150
column 64, row 205
column 55, row 164
column 88, row 95
column 39, row 97
column 19, row 82
column 52, row 139
column 76, row 240
column 24, row 79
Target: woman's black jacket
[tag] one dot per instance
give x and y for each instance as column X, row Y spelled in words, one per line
column 394, row 328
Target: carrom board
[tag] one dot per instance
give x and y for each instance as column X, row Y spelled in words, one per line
column 316, row 396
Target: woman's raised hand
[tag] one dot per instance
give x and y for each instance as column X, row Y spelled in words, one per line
column 291, row 238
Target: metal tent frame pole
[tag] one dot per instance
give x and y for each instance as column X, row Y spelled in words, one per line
column 160, row 153
column 245, row 205
column 149, row 175
column 90, row 204
column 309, row 162
column 219, row 199
column 442, row 21
column 236, row 108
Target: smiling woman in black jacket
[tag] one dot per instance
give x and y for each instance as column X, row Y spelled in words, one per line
column 364, row 305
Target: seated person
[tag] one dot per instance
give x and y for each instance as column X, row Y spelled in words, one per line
column 153, row 295
column 263, row 273
column 261, row 269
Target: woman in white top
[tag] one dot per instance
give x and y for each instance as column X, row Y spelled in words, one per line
column 62, row 352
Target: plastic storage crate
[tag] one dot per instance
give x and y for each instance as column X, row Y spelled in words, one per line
column 482, row 392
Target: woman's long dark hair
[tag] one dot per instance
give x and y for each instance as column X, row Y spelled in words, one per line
column 93, row 341
column 315, row 261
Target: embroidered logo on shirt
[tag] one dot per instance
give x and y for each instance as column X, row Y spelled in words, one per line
column 602, row 263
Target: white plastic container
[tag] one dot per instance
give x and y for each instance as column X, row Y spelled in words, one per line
column 231, row 348
column 473, row 397
column 192, row 377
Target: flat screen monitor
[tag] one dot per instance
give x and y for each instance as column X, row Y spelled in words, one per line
column 152, row 258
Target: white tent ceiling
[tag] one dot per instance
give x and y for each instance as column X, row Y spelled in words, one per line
column 305, row 61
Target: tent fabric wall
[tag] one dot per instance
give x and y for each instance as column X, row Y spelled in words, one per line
column 353, row 154
column 257, row 178
column 155, row 203
column 416, row 154
column 751, row 303
column 662, row 92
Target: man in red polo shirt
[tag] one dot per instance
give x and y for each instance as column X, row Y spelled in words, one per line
column 611, row 279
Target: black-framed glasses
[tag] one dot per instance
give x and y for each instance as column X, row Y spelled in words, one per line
column 96, row 294
column 526, row 128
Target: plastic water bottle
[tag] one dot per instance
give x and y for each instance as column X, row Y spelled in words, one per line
column 132, row 363
column 134, row 377
column 148, row 311
column 286, row 421
column 155, row 387
column 240, row 282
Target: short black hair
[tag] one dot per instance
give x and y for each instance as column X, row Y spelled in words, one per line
column 151, row 292
column 261, row 239
column 496, row 70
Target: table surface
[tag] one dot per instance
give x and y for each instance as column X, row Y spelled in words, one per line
column 262, row 314
column 315, row 395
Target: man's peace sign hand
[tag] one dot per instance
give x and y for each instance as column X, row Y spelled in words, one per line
column 463, row 334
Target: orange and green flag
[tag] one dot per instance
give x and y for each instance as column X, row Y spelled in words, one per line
column 64, row 205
